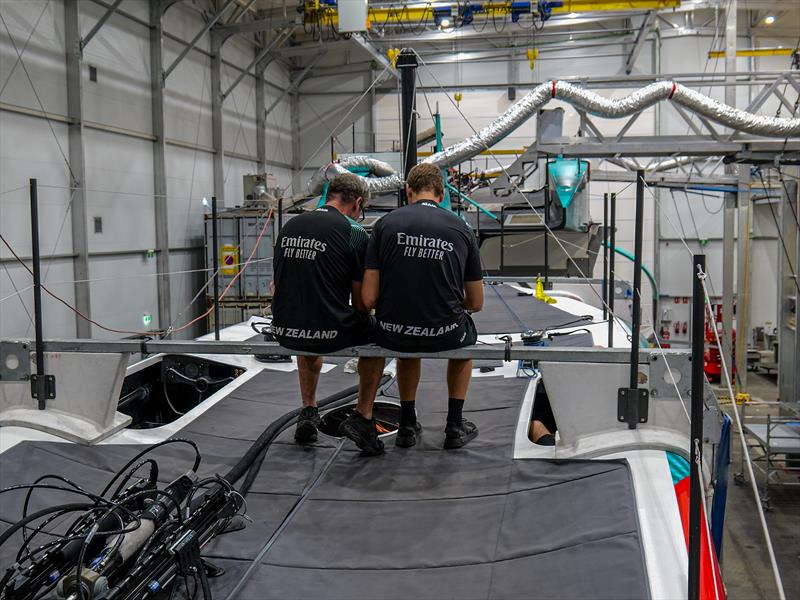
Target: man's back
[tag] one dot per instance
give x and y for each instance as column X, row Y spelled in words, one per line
column 317, row 257
column 424, row 254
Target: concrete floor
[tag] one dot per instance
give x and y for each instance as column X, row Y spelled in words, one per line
column 745, row 563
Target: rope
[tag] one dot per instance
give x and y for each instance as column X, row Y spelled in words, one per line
column 764, row 528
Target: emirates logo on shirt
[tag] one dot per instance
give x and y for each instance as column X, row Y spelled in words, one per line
column 420, row 246
column 302, row 247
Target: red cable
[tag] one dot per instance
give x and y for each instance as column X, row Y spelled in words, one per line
column 154, row 332
column 672, row 93
column 235, row 277
column 554, row 89
column 72, row 308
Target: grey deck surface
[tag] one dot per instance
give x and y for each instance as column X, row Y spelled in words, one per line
column 417, row 523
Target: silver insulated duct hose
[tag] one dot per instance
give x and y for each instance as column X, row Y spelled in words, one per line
column 584, row 99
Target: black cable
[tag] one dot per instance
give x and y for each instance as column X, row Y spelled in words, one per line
column 153, row 474
column 72, row 506
column 197, row 459
column 26, row 503
column 256, row 454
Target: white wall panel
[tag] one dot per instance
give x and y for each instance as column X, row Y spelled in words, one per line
column 123, row 291
column 121, row 54
column 119, row 172
column 43, row 56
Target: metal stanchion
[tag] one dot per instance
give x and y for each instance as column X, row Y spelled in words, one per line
column 696, row 409
column 611, row 275
column 605, row 255
column 215, row 255
column 38, row 385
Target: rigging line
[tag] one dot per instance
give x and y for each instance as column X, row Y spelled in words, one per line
column 754, row 485
column 55, row 247
column 18, row 293
column 206, row 69
column 313, row 155
column 786, row 191
column 16, row 189
column 113, row 192
column 511, row 310
column 780, row 235
column 38, row 99
column 24, row 47
column 518, row 190
column 232, row 281
column 239, row 130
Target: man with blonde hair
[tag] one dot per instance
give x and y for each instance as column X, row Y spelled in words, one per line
column 423, row 277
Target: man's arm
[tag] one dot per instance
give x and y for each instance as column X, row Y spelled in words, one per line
column 473, row 295
column 370, row 287
column 356, row 295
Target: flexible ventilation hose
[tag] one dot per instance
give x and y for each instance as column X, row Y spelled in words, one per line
column 529, row 105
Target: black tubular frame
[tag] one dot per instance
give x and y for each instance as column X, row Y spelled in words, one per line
column 637, row 281
column 696, row 441
column 605, row 255
column 39, row 384
column 215, row 259
column 407, row 65
column 611, row 272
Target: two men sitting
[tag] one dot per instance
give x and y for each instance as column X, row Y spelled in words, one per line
column 421, row 273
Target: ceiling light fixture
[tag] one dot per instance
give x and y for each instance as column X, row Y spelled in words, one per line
column 769, row 19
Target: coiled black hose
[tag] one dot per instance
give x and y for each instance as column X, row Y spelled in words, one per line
column 251, row 462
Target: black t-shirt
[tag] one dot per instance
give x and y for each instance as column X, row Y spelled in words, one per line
column 317, row 257
column 425, row 254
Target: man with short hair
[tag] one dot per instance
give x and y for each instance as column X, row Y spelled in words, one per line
column 318, row 265
column 423, row 275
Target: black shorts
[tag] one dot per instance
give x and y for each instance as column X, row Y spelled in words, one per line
column 463, row 335
column 362, row 333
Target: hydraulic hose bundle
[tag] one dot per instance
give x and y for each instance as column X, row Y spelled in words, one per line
column 129, row 544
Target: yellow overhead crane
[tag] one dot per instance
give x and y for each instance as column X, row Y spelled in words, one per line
column 325, row 12
column 755, row 52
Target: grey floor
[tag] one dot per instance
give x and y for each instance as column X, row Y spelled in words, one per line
column 745, row 562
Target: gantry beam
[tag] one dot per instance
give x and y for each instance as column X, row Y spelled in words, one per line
column 213, row 21
column 373, row 51
column 478, row 352
column 641, row 36
column 102, row 21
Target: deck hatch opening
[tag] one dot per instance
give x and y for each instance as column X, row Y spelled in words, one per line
column 387, row 418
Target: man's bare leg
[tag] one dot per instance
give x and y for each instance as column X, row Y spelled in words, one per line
column 459, row 373
column 408, row 374
column 370, row 371
column 308, row 369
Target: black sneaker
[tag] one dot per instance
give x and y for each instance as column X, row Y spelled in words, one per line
column 307, row 423
column 407, row 435
column 458, row 435
column 362, row 431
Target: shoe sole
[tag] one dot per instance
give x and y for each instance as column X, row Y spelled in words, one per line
column 459, row 442
column 356, row 437
column 306, row 433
